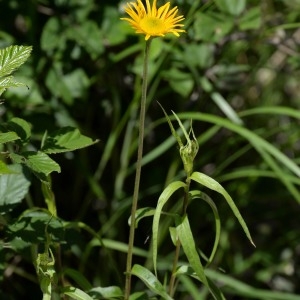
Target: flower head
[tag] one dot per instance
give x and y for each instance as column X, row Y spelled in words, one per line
column 152, row 21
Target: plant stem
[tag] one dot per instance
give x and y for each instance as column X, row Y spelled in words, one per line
column 178, row 244
column 138, row 171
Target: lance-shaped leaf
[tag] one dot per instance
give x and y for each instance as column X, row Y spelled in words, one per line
column 164, row 197
column 188, row 244
column 210, row 202
column 215, row 186
column 150, row 280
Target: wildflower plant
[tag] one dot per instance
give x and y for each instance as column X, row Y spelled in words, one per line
column 153, row 21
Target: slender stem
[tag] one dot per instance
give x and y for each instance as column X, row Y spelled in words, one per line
column 178, row 244
column 138, row 172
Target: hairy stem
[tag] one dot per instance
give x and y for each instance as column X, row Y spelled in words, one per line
column 138, row 172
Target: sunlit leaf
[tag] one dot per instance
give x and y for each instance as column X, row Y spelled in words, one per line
column 13, row 57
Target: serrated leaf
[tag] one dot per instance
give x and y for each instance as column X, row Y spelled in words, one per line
column 215, row 186
column 38, row 162
column 164, row 197
column 75, row 293
column 65, row 140
column 13, row 57
column 13, row 187
column 8, row 82
column 150, row 280
column 7, row 137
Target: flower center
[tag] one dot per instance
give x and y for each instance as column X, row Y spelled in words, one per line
column 152, row 25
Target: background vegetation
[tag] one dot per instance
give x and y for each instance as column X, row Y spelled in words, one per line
column 236, row 71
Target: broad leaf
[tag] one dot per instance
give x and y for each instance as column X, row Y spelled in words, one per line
column 7, row 137
column 65, row 140
column 13, row 57
column 21, row 128
column 234, row 7
column 4, row 169
column 13, row 187
column 7, row 82
column 38, row 162
column 150, row 280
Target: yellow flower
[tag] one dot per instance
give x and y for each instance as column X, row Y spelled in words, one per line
column 153, row 21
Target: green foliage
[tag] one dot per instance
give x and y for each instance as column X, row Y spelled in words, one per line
column 11, row 58
column 235, row 73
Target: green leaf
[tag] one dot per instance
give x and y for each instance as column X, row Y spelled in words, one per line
column 8, row 82
column 4, row 169
column 33, row 223
column 256, row 141
column 21, row 128
column 188, row 271
column 234, row 7
column 212, row 27
column 52, row 36
column 188, row 244
column 215, row 186
column 164, row 197
column 75, row 293
column 13, row 187
column 209, row 201
column 251, row 20
column 246, row 291
column 65, row 140
column 150, row 280
column 7, row 137
column 110, row 292
column 79, row 278
column 13, row 57
column 142, row 213
column 38, row 162
column 139, row 296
